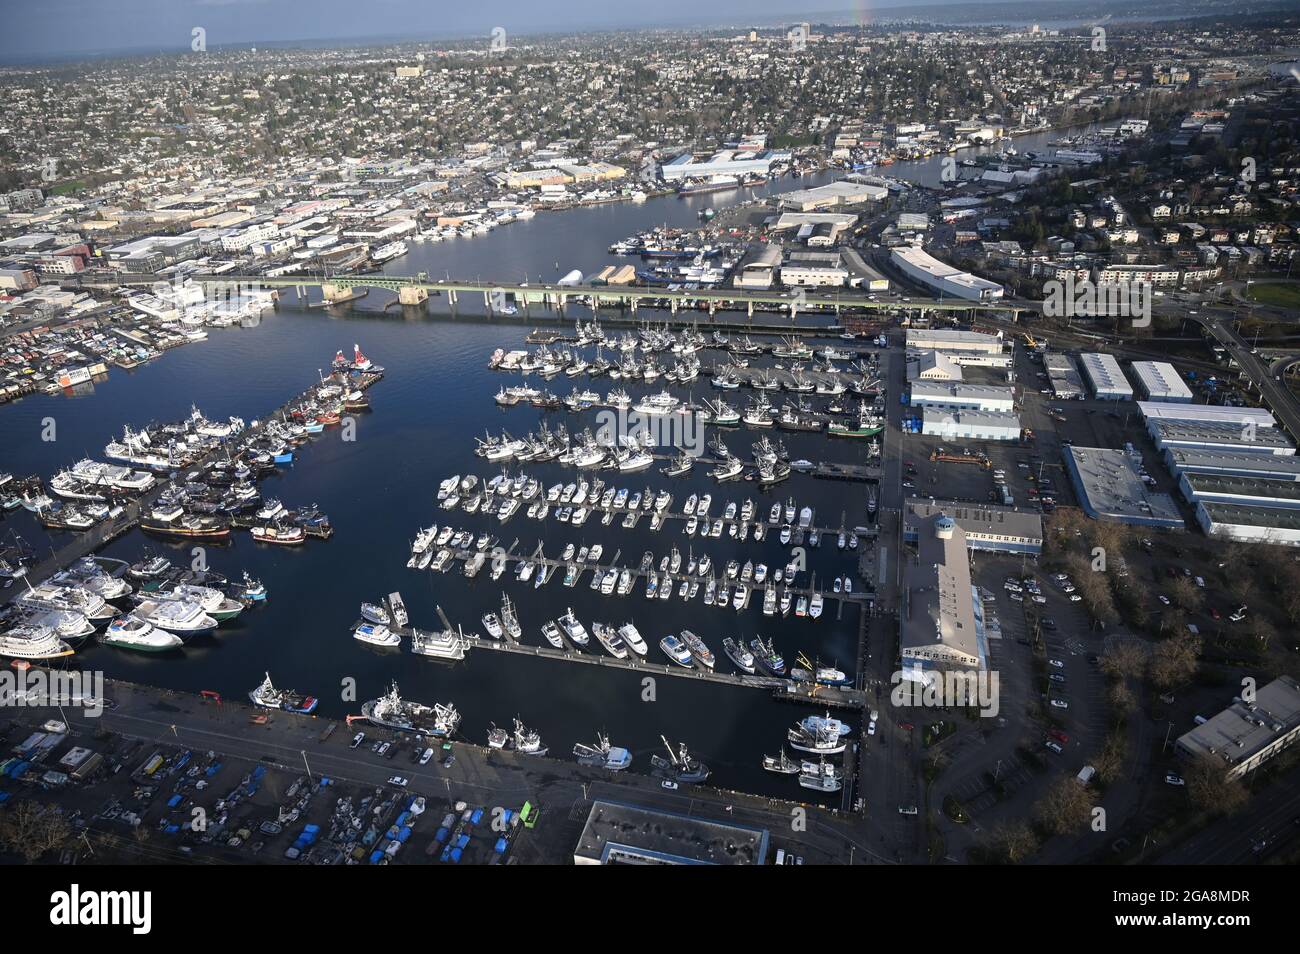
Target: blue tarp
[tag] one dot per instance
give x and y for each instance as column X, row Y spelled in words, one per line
column 501, row 845
column 476, row 817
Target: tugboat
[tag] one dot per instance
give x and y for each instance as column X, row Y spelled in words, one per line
column 391, row 711
column 602, row 754
column 269, row 697
column 679, row 766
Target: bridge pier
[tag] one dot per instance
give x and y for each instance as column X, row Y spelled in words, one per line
column 412, row 295
column 332, row 292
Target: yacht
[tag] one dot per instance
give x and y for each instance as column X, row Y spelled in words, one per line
column 629, row 634
column 442, row 644
column 175, row 616
column 74, row 598
column 552, row 634
column 573, row 629
column 699, row 651
column 377, row 635
column 30, row 641
column 129, row 632
column 676, row 650
column 492, row 623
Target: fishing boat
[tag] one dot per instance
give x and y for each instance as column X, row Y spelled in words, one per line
column 738, row 654
column 781, row 764
column 391, row 711
column 269, row 697
column 821, row 776
column 765, row 655
column 679, row 766
column 602, row 754
column 820, row 735
column 280, row 536
column 699, row 651
column 373, row 613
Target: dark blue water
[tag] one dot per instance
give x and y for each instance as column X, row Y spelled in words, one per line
column 436, row 396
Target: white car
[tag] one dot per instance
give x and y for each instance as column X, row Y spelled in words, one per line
column 398, row 781
column 1055, row 747
column 1017, row 597
column 1057, row 663
column 1060, row 704
column 871, row 728
column 425, row 756
column 1038, row 598
column 1172, row 779
column 1164, row 599
column 1075, row 598
column 668, row 784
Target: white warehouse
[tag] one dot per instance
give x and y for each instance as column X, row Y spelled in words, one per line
column 962, row 397
column 921, row 267
column 970, row 425
column 1159, row 381
column 1105, row 377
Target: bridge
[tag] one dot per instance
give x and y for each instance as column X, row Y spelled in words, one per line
column 416, row 289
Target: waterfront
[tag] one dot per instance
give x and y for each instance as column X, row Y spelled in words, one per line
column 436, row 396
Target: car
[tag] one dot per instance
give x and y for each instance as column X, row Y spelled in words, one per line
column 1075, row 598
column 1239, row 615
column 449, row 761
column 909, row 485
column 871, row 728
column 1059, row 736
column 397, row 780
column 1056, row 677
column 1060, row 704
column 425, row 756
column 1011, row 587
column 1215, row 614
column 358, row 739
column 1067, row 587
column 1055, row 747
column 1057, row 663
column 1017, row 597
column 1047, row 622
column 383, row 749
column 906, row 726
column 1038, row 598
column 668, row 784
column 1172, row 779
column 907, row 809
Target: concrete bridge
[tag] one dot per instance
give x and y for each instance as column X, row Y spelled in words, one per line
column 416, row 289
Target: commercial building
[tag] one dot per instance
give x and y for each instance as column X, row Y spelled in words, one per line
column 1240, row 436
column 1105, row 377
column 1247, row 733
column 618, row 833
column 932, row 366
column 985, row 526
column 970, row 425
column 941, row 277
column 956, row 397
column 938, row 625
column 1108, row 484
column 758, row 267
column 814, row 269
column 1260, row 492
column 1159, row 381
column 728, row 162
column 941, row 339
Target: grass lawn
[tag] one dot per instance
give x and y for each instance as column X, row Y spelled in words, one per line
column 1274, row 293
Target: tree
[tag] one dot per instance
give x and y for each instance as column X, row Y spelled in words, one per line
column 1065, row 807
column 1109, row 762
column 31, row 830
column 1173, row 663
column 1186, row 594
column 1013, row 842
column 1123, row 660
column 1210, row 789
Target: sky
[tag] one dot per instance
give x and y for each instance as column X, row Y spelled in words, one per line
column 35, row 30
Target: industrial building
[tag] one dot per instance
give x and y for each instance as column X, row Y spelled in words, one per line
column 985, row 526
column 1239, row 436
column 1191, row 460
column 832, row 195
column 1207, row 414
column 1063, row 377
column 1253, row 524
column 938, row 622
column 1247, row 733
column 941, row 277
column 932, row 366
column 618, row 833
column 1105, row 377
column 1109, row 486
column 1159, row 381
column 940, row 339
column 970, row 425
column 1260, row 492
column 813, row 269
column 957, row 397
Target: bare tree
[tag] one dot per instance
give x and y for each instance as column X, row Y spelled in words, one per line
column 1210, row 789
column 1173, row 662
column 1065, row 807
column 31, row 830
column 1013, row 842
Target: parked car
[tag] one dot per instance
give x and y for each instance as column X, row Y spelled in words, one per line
column 1057, row 663
column 1060, row 704
column 358, row 739
column 397, row 780
column 1053, row 746
column 1172, row 779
